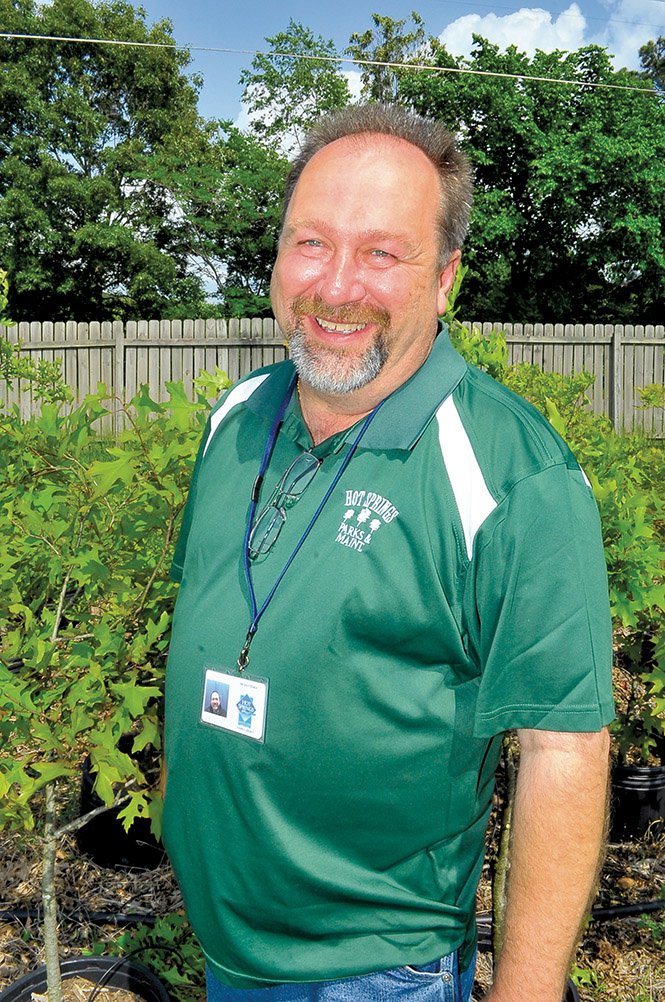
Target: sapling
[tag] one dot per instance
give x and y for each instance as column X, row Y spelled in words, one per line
column 86, row 531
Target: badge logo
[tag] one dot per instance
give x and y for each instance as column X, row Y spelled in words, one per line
column 365, row 513
column 246, row 710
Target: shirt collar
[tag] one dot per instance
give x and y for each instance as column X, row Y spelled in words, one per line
column 405, row 414
column 409, row 409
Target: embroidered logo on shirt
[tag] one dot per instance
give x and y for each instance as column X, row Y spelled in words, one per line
column 365, row 514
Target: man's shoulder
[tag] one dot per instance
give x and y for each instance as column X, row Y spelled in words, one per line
column 273, row 376
column 511, row 438
column 259, row 392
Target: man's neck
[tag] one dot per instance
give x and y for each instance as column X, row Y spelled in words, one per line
column 327, row 415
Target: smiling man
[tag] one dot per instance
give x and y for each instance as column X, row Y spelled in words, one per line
column 357, row 284
column 388, row 561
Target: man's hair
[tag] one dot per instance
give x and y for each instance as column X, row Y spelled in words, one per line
column 428, row 135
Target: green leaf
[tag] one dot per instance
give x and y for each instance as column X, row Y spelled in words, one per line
column 135, row 808
column 105, row 474
column 49, row 772
column 133, row 697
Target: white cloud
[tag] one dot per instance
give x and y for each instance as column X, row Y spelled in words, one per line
column 243, row 120
column 528, row 29
column 354, row 82
column 628, row 25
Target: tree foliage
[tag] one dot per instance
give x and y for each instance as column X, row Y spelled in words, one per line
column 227, row 185
column 284, row 94
column 652, row 57
column 117, row 200
column 86, row 533
column 386, row 42
column 570, row 183
column 83, row 231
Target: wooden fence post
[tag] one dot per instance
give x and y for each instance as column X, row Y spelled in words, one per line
column 118, row 388
column 616, row 374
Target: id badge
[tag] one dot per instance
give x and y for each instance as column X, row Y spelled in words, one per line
column 236, row 703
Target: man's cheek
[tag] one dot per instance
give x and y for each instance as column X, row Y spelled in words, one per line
column 295, row 273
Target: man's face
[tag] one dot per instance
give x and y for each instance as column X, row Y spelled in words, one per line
column 214, row 700
column 357, row 284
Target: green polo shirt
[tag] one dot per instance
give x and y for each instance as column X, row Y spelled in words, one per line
column 452, row 587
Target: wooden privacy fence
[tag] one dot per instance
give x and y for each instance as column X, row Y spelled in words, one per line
column 125, row 355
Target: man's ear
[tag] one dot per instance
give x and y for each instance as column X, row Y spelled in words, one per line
column 446, row 279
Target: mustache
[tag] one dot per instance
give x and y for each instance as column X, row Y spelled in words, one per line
column 346, row 313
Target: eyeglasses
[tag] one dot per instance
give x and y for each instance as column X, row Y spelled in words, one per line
column 291, row 486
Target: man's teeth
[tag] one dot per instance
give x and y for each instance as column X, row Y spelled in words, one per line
column 327, row 325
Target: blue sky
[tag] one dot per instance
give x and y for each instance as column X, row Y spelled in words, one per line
column 622, row 26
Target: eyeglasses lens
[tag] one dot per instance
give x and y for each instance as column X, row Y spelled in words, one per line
column 266, row 530
column 292, row 485
column 298, row 476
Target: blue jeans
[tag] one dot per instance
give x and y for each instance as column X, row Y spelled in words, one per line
column 440, row 981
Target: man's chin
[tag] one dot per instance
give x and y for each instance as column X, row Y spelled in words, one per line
column 331, row 370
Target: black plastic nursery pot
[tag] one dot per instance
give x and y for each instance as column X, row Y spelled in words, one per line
column 114, row 972
column 104, row 838
column 638, row 801
column 572, row 994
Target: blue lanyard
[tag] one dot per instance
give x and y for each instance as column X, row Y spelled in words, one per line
column 257, row 613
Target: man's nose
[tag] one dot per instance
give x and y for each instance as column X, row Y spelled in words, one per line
column 341, row 281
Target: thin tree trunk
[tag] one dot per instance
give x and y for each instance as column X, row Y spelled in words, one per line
column 503, row 861
column 49, row 902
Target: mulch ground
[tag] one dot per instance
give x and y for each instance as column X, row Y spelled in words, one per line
column 622, row 960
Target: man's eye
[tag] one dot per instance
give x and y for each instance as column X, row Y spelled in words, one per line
column 311, row 243
column 381, row 257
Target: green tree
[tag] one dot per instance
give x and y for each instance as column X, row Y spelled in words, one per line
column 387, row 42
column 652, row 57
column 570, row 184
column 228, row 190
column 83, row 231
column 284, row 94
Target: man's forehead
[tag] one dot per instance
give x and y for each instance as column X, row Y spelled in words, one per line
column 348, row 159
column 347, row 153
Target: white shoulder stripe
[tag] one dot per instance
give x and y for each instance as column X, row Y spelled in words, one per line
column 237, row 395
column 472, row 497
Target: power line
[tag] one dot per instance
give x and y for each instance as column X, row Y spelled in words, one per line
column 334, row 59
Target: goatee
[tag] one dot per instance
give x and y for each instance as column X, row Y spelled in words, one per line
column 335, row 370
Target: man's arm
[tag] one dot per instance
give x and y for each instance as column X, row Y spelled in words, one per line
column 559, row 824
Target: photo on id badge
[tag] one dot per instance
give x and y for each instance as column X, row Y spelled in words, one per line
column 235, row 703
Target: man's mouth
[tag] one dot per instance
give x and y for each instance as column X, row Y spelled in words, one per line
column 333, row 328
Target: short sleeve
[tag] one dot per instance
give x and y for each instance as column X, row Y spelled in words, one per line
column 537, row 609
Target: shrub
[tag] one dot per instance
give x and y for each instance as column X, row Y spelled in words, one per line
column 86, row 532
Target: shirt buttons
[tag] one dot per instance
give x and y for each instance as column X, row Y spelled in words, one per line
column 447, row 977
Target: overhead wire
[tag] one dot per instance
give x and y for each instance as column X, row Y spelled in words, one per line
column 334, row 59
